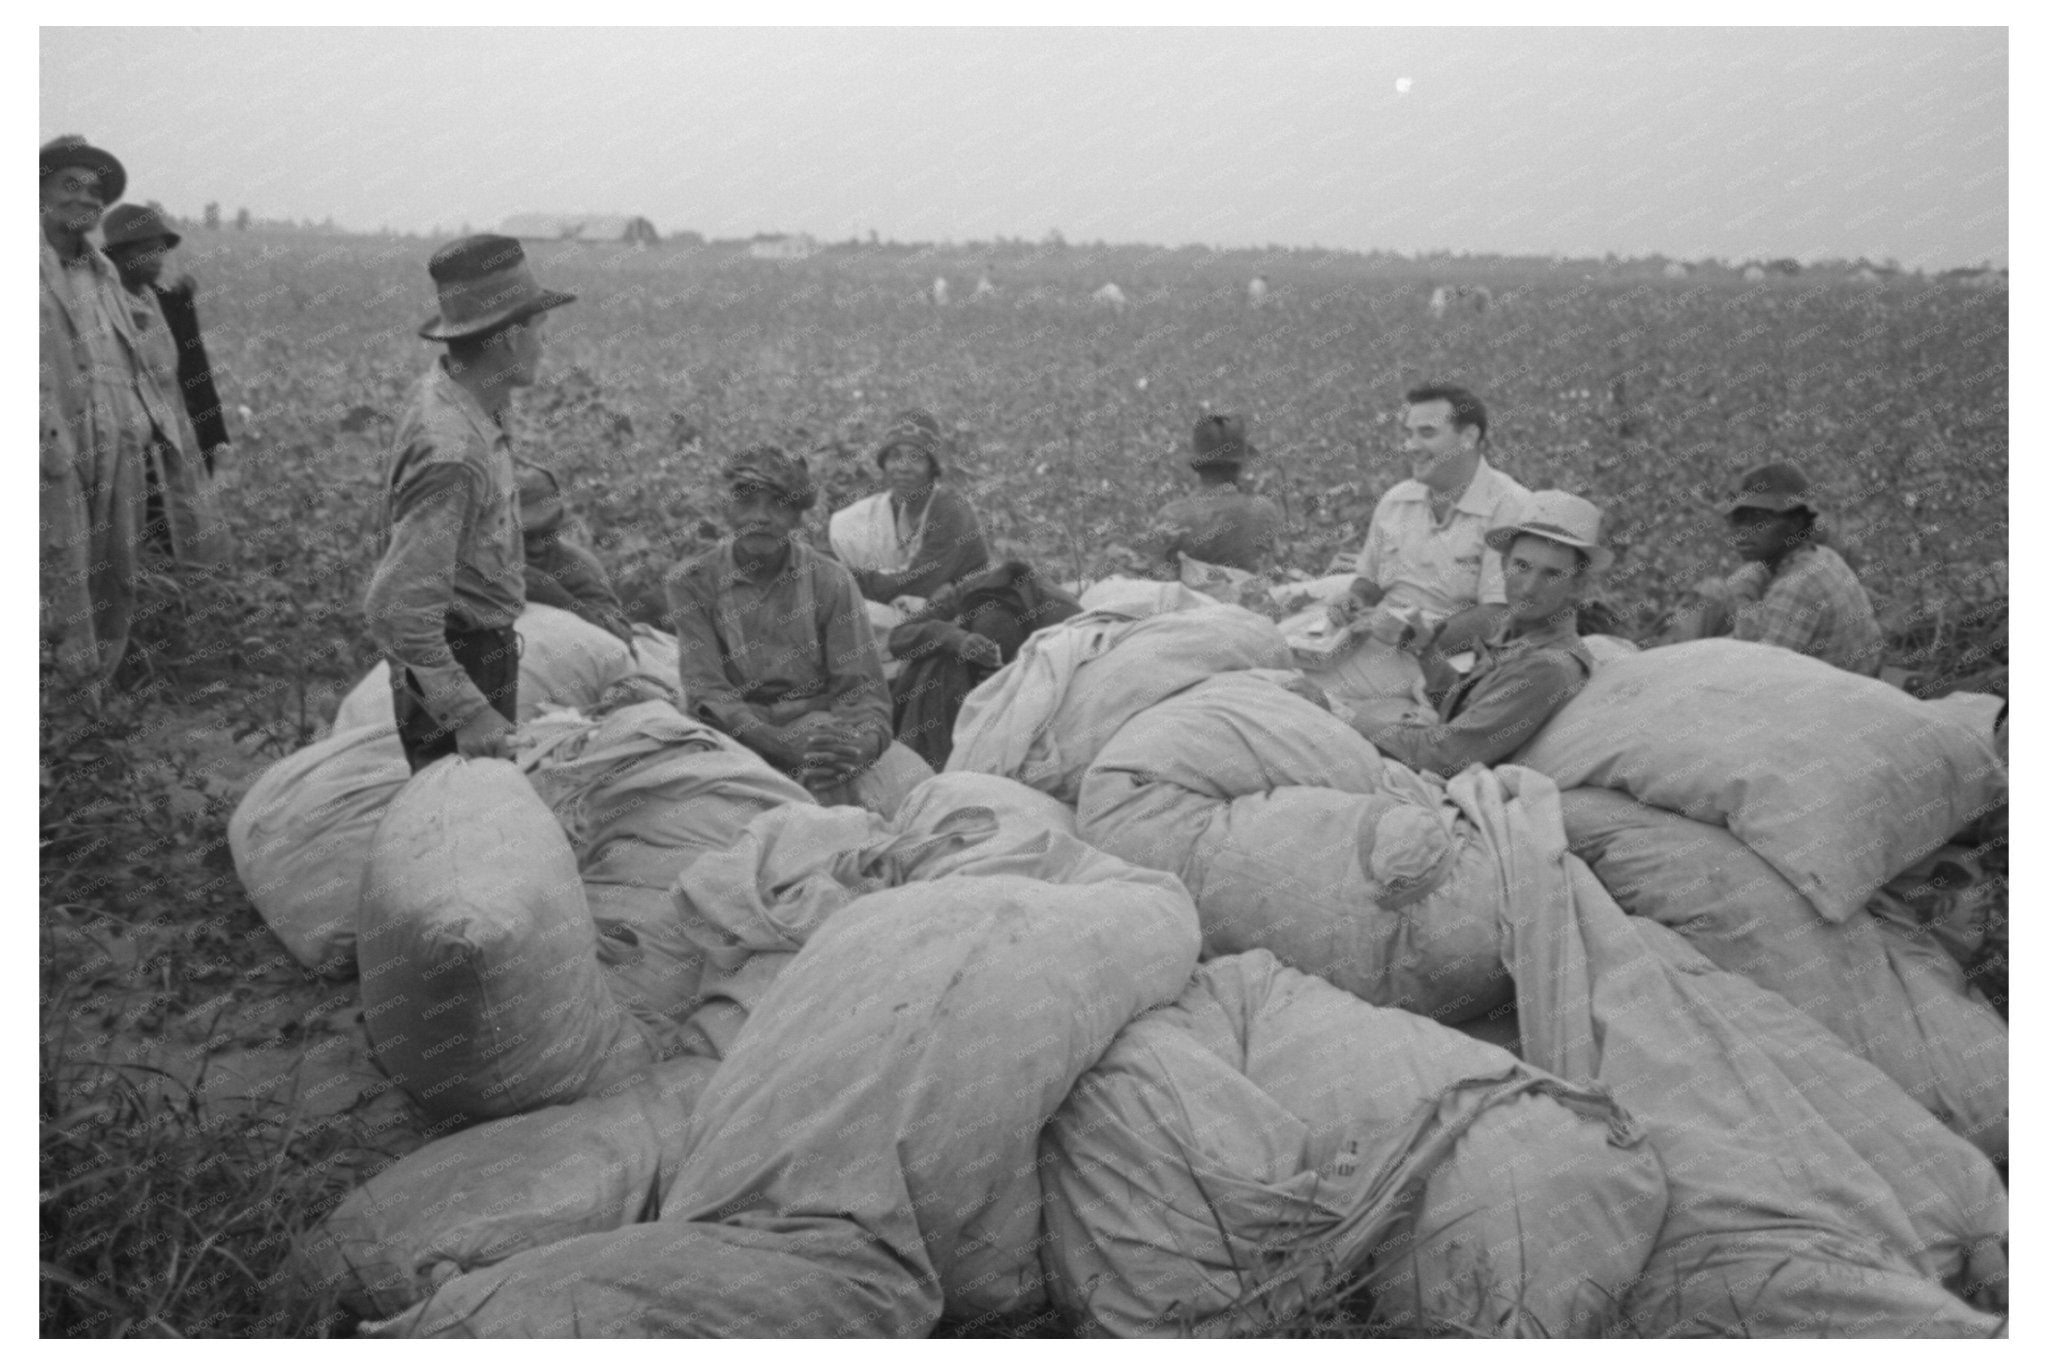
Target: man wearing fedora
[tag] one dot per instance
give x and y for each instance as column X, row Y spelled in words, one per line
column 136, row 239
column 443, row 599
column 1221, row 522
column 1792, row 590
column 108, row 430
column 1530, row 663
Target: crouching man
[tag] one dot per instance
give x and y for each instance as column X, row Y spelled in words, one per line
column 776, row 649
column 1530, row 663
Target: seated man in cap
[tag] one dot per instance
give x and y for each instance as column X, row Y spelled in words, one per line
column 1530, row 663
column 775, row 647
column 1793, row 590
column 1219, row 523
column 559, row 574
column 443, row 600
column 916, row 538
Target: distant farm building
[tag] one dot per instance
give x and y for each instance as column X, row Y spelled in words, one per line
column 582, row 227
column 1866, row 275
column 798, row 246
column 1111, row 296
column 1753, row 272
column 1975, row 279
column 1676, row 270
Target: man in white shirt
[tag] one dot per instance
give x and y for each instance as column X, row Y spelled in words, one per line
column 1425, row 558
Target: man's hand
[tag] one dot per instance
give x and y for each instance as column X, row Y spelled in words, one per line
column 833, row 752
column 486, row 735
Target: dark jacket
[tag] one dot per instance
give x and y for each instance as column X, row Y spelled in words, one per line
column 195, row 372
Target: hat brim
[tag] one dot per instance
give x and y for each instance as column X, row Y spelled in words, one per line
column 1245, row 454
column 435, row 329
column 113, row 175
column 167, row 237
column 1771, row 502
column 1599, row 559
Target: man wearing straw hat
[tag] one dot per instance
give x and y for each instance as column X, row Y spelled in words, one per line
column 1532, row 662
column 452, row 580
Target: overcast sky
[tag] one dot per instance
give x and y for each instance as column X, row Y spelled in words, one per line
column 1690, row 142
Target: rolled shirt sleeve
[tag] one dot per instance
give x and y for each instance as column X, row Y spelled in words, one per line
column 1500, row 714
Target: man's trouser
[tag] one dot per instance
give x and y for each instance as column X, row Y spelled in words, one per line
column 490, row 658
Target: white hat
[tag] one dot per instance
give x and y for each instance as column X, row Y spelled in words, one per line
column 1563, row 517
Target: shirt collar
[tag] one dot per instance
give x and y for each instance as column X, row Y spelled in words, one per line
column 1484, row 493
column 1479, row 499
column 465, row 402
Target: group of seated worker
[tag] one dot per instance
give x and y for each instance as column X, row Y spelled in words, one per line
column 1480, row 581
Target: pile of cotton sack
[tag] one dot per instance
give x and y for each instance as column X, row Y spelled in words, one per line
column 1142, row 1012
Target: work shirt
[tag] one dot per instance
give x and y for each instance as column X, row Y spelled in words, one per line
column 455, row 555
column 1812, row 605
column 756, row 656
column 1445, row 568
column 1515, row 686
column 1224, row 525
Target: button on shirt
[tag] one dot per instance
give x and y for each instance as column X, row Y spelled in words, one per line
column 1446, row 568
column 456, row 553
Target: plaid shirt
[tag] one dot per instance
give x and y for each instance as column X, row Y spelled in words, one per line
column 1813, row 605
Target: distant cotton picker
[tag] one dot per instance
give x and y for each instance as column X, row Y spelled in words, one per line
column 1112, row 297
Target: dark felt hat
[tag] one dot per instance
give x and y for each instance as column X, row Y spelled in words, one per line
column 1779, row 487
column 484, row 283
column 785, row 475
column 137, row 223
column 73, row 150
column 1220, row 440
